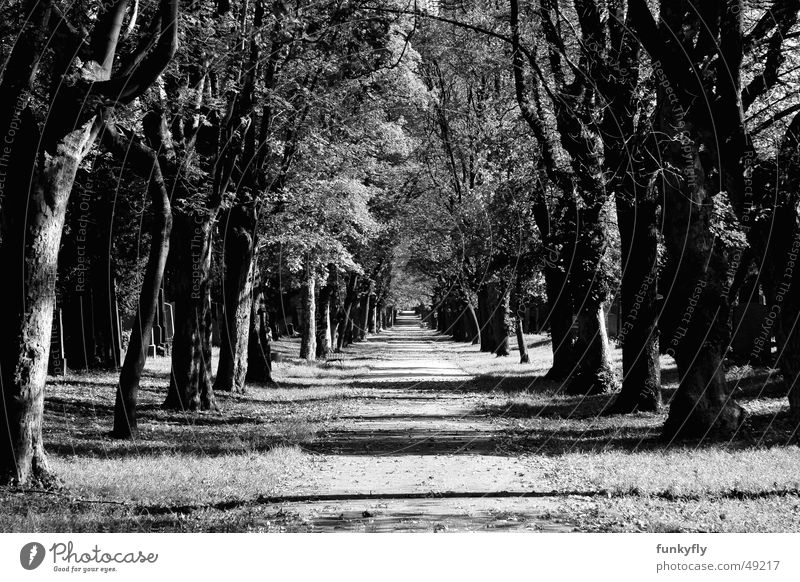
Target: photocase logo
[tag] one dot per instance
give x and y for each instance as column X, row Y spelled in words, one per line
column 31, row 555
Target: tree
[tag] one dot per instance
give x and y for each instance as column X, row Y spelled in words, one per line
column 51, row 135
column 709, row 153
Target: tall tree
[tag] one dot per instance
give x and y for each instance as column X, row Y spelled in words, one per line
column 53, row 104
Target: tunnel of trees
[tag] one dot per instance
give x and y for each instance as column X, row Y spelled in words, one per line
column 222, row 172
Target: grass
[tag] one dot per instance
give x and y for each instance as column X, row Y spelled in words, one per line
column 207, row 471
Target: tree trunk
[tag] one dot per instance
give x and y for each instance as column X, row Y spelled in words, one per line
column 359, row 319
column 500, row 319
column 589, row 286
column 308, row 339
column 487, row 336
column 475, row 326
column 259, row 359
column 33, row 220
column 456, row 327
column 36, row 190
column 190, row 385
column 324, row 337
column 559, row 318
column 372, row 325
column 524, row 358
column 344, row 319
column 641, row 371
column 125, row 421
column 379, row 312
column 787, row 326
column 365, row 311
column 594, row 373
column 350, row 330
column 237, row 293
column 775, row 238
column 695, row 315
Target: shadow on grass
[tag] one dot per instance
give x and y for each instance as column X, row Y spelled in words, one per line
column 509, row 415
column 480, row 384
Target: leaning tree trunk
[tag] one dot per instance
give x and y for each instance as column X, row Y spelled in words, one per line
column 237, row 292
column 524, row 358
column 694, row 320
column 190, row 385
column 474, row 324
column 34, row 208
column 308, row 339
column 641, row 371
column 125, row 420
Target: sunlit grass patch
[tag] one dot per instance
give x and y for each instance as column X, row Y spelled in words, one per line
column 674, row 473
column 656, row 515
column 180, row 478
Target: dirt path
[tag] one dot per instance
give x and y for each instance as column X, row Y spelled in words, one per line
column 412, row 452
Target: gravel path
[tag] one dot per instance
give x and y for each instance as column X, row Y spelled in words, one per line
column 412, row 454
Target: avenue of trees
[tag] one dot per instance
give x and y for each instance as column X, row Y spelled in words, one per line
column 351, row 157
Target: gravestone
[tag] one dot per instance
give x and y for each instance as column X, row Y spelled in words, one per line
column 612, row 312
column 169, row 324
column 57, row 363
column 159, row 338
column 152, row 349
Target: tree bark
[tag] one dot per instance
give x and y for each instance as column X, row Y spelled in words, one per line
column 524, row 358
column 694, row 321
column 308, row 339
column 631, row 151
column 259, row 364
column 487, row 333
column 237, row 292
column 365, row 311
column 190, row 385
column 372, row 324
column 641, row 371
column 33, row 220
column 344, row 319
column 475, row 326
column 500, row 319
column 594, row 374
column 324, row 299
column 560, row 319
column 127, row 397
column 37, row 190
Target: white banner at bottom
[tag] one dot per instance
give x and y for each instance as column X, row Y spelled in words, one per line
column 389, row 557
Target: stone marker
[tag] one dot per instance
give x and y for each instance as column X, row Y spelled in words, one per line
column 57, row 364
